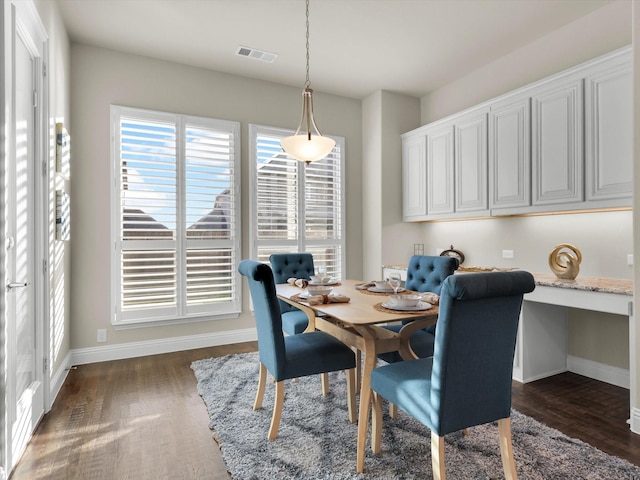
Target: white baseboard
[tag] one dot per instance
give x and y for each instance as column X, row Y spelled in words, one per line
column 599, row 371
column 82, row 356
column 634, row 421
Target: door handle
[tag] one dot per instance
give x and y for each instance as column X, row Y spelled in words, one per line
column 13, row 285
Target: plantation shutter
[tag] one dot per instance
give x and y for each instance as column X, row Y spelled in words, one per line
column 175, row 222
column 296, row 207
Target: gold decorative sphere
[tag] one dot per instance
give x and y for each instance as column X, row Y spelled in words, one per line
column 565, row 264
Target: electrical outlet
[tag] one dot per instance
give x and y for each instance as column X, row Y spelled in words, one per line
column 630, row 259
column 102, row 335
column 507, row 253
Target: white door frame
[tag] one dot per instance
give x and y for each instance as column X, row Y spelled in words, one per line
column 21, row 17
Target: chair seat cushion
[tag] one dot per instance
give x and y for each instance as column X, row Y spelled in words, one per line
column 408, row 385
column 313, row 352
column 421, row 342
column 294, row 322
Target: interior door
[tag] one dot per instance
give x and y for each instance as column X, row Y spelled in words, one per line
column 25, row 399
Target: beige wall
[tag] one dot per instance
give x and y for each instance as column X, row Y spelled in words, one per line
column 102, row 77
column 605, row 239
column 635, row 330
column 60, row 252
column 595, row 34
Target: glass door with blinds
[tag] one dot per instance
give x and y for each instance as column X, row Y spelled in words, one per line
column 296, row 207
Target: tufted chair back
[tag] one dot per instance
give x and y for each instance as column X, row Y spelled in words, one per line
column 288, row 265
column 426, row 273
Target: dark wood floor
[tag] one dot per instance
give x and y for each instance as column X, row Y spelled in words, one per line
column 142, row 418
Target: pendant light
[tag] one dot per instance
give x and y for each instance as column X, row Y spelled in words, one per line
column 310, row 145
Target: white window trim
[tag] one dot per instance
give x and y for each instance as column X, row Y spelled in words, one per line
column 254, row 130
column 212, row 312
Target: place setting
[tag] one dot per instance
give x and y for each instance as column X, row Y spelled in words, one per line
column 319, row 289
column 383, row 287
column 409, row 302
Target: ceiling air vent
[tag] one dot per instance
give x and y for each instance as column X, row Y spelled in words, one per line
column 256, row 54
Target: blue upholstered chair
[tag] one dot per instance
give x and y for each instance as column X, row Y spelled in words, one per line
column 424, row 274
column 467, row 381
column 292, row 356
column 286, row 266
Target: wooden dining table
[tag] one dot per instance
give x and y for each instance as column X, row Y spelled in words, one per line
column 358, row 323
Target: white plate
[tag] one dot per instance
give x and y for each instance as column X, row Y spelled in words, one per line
column 384, row 290
column 418, row 308
column 333, row 281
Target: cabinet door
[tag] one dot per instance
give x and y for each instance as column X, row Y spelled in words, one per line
column 470, row 154
column 510, row 154
column 557, row 158
column 440, row 170
column 609, row 133
column 414, row 177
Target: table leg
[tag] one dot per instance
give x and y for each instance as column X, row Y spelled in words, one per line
column 370, row 359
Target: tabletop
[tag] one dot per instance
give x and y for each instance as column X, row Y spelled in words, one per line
column 360, row 309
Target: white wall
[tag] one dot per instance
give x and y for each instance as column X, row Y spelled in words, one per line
column 102, row 77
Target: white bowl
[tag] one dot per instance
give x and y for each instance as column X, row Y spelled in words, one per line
column 383, row 285
column 320, row 278
column 408, row 300
column 319, row 289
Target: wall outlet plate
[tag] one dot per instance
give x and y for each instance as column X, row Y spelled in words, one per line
column 630, row 259
column 507, row 253
column 102, row 335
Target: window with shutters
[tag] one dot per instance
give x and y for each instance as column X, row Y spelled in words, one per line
column 175, row 217
column 296, row 207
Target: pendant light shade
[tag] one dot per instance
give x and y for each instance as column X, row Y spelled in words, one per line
column 307, row 144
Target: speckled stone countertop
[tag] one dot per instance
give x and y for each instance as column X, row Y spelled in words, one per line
column 591, row 284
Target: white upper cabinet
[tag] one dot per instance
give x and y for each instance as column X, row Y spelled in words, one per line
column 414, row 177
column 440, row 170
column 470, row 153
column 564, row 143
column 609, row 132
column 510, row 154
column 556, row 144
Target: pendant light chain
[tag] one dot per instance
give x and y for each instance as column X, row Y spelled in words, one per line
column 308, row 82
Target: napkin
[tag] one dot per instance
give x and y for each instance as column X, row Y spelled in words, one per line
column 320, row 299
column 364, row 286
column 298, row 282
column 431, row 298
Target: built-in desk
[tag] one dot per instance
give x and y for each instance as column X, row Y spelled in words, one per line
column 541, row 350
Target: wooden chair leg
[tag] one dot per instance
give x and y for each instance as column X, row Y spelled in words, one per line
column 325, row 383
column 437, row 457
column 376, row 423
column 262, row 381
column 506, row 449
column 277, row 411
column 393, row 410
column 351, row 395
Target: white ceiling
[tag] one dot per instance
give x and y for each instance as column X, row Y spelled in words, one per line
column 357, row 46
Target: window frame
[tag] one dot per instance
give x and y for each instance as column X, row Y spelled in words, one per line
column 302, row 244
column 183, row 313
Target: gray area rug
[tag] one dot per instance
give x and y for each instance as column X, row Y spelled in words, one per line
column 316, row 440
